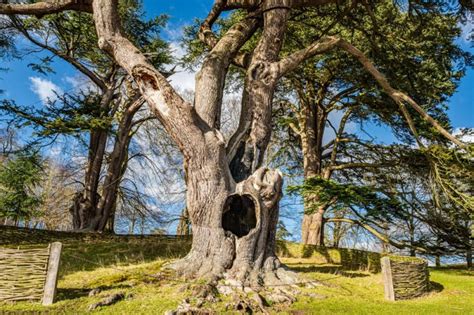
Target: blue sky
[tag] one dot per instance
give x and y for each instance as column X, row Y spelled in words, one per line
column 27, row 87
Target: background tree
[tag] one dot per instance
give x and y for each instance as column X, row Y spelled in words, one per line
column 102, row 114
column 331, row 91
column 19, row 174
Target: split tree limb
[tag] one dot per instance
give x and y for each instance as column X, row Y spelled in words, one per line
column 210, row 80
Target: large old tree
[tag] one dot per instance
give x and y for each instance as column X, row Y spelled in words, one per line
column 233, row 214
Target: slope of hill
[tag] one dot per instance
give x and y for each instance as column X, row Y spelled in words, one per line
column 134, row 266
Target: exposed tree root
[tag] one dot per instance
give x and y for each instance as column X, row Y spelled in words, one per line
column 251, row 295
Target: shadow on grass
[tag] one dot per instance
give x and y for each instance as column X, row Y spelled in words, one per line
column 436, row 287
column 336, row 270
column 76, row 293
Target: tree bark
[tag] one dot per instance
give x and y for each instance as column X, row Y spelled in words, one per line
column 313, row 228
column 312, row 123
column 85, row 201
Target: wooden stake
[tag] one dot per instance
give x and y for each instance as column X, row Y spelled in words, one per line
column 387, row 278
column 52, row 273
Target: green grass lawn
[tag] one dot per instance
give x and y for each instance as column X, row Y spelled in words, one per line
column 135, row 267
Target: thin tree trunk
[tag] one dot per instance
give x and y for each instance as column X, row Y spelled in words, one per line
column 469, row 255
column 85, row 201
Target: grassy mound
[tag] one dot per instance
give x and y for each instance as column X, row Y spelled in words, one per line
column 134, row 266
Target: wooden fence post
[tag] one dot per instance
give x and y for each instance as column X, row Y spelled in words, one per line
column 387, row 278
column 52, row 273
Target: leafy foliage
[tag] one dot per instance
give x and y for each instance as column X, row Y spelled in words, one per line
column 18, row 177
column 375, row 202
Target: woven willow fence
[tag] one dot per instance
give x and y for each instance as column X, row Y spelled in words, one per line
column 405, row 277
column 29, row 274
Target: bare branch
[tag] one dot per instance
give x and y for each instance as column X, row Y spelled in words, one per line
column 398, row 96
column 354, row 165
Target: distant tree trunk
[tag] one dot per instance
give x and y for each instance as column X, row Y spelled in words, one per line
column 469, row 255
column 117, row 166
column 313, row 228
column 337, row 234
column 311, row 130
column 438, row 260
column 411, row 229
column 85, row 201
column 95, row 214
column 183, row 227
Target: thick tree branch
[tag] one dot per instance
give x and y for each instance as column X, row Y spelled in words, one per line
column 327, row 43
column 259, row 86
column 45, row 7
column 207, row 36
column 177, row 116
column 292, row 61
column 210, row 80
column 340, row 131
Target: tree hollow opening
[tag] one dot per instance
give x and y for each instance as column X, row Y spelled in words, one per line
column 239, row 215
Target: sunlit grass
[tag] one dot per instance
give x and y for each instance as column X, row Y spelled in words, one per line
column 136, row 269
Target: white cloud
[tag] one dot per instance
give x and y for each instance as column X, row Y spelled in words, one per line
column 45, row 90
column 81, row 83
column 466, row 30
column 183, row 79
column 464, row 134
